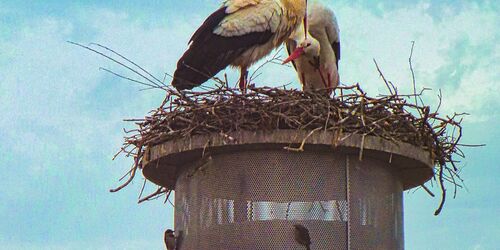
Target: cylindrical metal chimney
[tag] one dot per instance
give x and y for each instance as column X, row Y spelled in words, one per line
column 245, row 191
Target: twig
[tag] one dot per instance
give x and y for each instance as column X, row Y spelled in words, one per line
column 413, row 72
column 154, row 195
column 383, row 78
column 130, row 61
column 301, row 148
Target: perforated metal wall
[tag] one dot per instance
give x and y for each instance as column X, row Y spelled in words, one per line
column 376, row 200
column 252, row 199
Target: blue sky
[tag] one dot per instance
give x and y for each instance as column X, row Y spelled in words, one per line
column 61, row 118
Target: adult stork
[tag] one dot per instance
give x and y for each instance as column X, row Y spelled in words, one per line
column 316, row 55
column 238, row 34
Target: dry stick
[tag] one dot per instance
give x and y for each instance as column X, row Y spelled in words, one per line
column 154, row 195
column 226, row 81
column 440, row 98
column 167, row 196
column 454, row 182
column 115, row 61
column 122, row 149
column 383, row 77
column 328, row 116
column 412, row 71
column 144, row 185
column 128, row 172
column 168, row 199
column 130, row 79
column 134, row 169
column 362, row 147
column 471, row 145
column 301, row 148
column 132, row 175
column 165, row 77
column 142, row 189
column 427, row 190
column 273, row 58
column 130, row 61
column 443, row 191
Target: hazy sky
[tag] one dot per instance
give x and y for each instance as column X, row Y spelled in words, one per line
column 61, row 117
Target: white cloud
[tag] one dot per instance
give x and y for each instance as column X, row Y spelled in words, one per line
column 50, row 88
column 42, row 83
column 62, row 117
column 56, row 105
column 388, row 37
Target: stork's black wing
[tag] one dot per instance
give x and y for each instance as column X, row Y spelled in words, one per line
column 336, row 49
column 335, row 43
column 209, row 53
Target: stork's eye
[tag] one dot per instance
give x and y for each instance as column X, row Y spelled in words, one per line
column 308, row 44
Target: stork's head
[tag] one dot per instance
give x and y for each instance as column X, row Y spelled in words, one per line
column 308, row 47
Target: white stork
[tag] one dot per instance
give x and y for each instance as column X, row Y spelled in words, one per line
column 316, row 56
column 238, row 34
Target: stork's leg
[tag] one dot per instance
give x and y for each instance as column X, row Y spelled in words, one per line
column 243, row 79
column 330, row 84
column 246, row 79
column 303, row 76
column 325, row 83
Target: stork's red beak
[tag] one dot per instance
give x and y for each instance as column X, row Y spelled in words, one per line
column 295, row 54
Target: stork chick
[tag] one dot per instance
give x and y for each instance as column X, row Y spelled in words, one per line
column 316, row 56
column 238, row 34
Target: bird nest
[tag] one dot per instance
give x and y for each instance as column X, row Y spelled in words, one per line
column 393, row 117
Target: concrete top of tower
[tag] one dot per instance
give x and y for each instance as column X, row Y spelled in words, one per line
column 161, row 163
